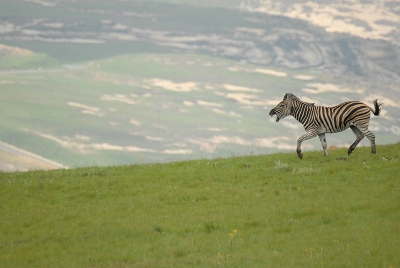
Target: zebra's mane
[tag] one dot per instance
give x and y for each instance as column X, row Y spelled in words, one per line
column 291, row 96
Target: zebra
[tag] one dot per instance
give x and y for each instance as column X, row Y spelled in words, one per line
column 318, row 120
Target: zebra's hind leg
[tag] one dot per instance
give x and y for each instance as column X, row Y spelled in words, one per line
column 359, row 136
column 371, row 138
column 323, row 143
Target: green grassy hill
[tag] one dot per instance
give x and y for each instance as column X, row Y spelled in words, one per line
column 254, row 211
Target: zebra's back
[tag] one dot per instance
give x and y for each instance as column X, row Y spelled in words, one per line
column 340, row 117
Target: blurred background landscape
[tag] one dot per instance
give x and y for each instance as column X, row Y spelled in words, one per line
column 106, row 82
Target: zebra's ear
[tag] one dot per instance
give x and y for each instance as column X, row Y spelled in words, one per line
column 285, row 97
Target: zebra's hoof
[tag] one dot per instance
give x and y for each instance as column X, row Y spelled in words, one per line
column 299, row 154
column 351, row 149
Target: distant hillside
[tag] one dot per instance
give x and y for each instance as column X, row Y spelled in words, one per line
column 120, row 82
column 7, row 51
column 14, row 159
column 15, row 58
column 163, row 107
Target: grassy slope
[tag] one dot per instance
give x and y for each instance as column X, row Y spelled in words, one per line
column 255, row 211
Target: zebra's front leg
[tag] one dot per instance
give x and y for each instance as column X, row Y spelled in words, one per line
column 309, row 135
column 298, row 151
column 323, row 143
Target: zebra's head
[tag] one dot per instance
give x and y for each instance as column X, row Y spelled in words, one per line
column 285, row 107
column 282, row 109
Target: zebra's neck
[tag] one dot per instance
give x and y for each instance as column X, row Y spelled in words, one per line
column 301, row 111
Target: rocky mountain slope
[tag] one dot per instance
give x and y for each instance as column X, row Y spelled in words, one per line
column 339, row 38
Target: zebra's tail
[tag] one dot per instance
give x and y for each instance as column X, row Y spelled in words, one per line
column 377, row 107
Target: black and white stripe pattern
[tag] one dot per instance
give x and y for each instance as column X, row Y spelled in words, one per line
column 318, row 120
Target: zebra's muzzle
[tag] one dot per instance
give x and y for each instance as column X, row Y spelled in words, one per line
column 272, row 113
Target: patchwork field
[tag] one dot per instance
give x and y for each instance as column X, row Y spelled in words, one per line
column 163, row 107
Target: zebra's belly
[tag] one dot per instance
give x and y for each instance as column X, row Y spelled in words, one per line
column 323, row 129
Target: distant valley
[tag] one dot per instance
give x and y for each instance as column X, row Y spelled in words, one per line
column 96, row 83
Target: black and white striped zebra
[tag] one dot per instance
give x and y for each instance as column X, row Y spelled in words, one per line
column 318, row 120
